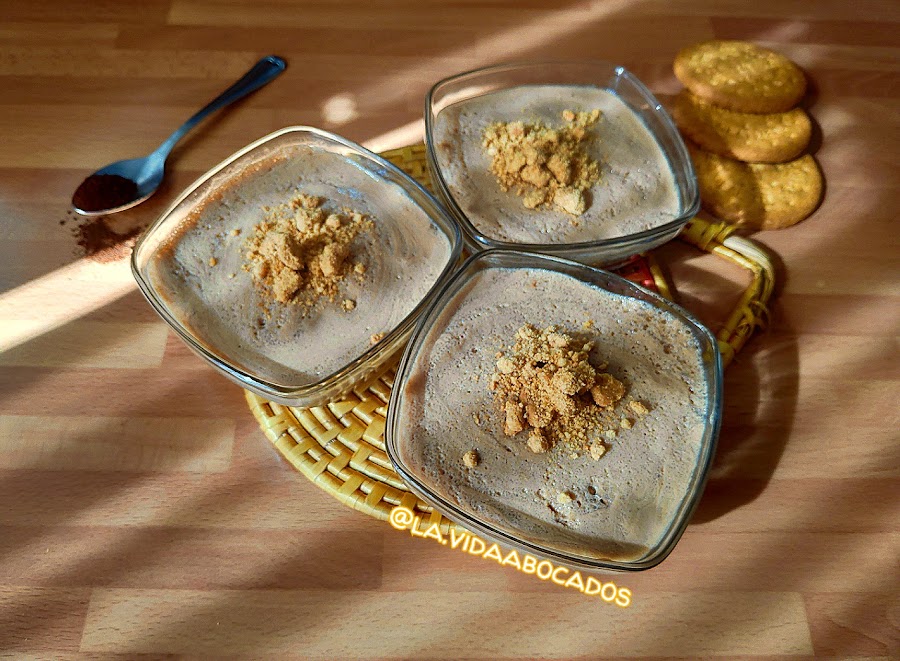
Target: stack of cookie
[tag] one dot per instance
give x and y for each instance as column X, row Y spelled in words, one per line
column 745, row 134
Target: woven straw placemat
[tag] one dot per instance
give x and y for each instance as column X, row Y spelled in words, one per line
column 340, row 446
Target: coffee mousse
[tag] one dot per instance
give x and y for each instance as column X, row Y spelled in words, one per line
column 615, row 507
column 636, row 190
column 203, row 272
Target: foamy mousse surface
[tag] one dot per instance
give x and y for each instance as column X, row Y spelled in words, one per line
column 625, row 502
column 404, row 255
column 636, row 190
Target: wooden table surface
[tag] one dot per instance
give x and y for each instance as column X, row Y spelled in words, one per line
column 144, row 515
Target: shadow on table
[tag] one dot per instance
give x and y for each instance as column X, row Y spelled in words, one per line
column 761, row 383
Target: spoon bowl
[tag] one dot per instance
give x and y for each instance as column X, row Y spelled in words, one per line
column 143, row 176
column 147, row 174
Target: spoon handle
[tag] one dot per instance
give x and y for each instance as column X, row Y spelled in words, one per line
column 262, row 72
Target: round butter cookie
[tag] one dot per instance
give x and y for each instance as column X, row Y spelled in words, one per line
column 758, row 196
column 740, row 76
column 769, row 138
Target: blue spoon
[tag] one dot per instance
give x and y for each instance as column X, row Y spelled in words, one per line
column 132, row 181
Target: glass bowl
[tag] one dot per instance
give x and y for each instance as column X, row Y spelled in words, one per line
column 442, row 407
column 476, row 213
column 292, row 358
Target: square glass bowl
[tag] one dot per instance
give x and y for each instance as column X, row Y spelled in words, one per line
column 419, row 247
column 627, row 88
column 648, row 483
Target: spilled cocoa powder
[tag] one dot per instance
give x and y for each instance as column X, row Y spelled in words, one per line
column 102, row 244
column 98, row 241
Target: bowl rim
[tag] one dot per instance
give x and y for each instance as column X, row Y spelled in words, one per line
column 713, row 374
column 288, row 394
column 691, row 206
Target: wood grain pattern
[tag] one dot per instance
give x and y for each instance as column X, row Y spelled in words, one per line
column 549, row 624
column 91, row 442
column 125, row 344
column 144, row 516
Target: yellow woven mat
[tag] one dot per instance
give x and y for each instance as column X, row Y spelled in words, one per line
column 340, row 446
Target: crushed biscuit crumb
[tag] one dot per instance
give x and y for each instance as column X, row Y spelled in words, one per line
column 375, row 338
column 213, row 261
column 471, row 459
column 571, row 200
column 638, row 407
column 597, row 451
column 607, row 391
column 300, row 252
column 505, row 365
column 565, row 497
column 545, row 165
column 547, row 385
column 348, row 304
column 626, row 423
column 515, row 421
column 332, row 258
column 537, row 442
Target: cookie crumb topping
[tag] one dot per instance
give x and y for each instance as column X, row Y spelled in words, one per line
column 547, row 386
column 543, row 165
column 300, row 253
column 471, row 459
